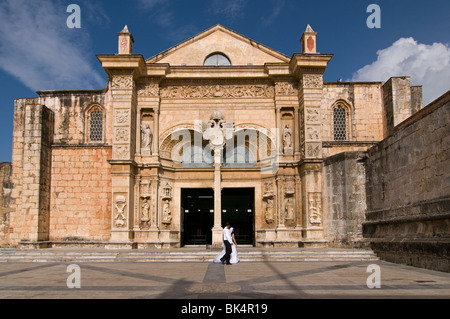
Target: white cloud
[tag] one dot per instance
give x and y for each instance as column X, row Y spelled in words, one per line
column 276, row 9
column 231, row 9
column 428, row 65
column 160, row 12
column 37, row 47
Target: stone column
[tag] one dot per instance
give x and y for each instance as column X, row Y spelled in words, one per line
column 217, row 229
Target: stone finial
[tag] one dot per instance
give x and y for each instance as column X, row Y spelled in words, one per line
column 308, row 40
column 125, row 41
column 308, row 29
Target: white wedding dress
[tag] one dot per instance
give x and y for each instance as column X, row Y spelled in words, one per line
column 233, row 258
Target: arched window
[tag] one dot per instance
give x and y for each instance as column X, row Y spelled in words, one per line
column 217, row 59
column 95, row 125
column 340, row 123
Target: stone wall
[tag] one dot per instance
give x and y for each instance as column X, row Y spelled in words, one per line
column 80, row 194
column 30, row 197
column 408, row 190
column 344, row 199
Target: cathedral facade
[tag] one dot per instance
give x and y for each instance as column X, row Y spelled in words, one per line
column 217, row 128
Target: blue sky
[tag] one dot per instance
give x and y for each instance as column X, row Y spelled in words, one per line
column 39, row 52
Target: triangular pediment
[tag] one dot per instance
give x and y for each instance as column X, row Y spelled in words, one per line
column 239, row 49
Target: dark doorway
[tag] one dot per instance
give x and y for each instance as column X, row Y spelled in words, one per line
column 238, row 208
column 197, row 211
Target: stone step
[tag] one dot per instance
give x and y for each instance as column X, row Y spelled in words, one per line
column 184, row 256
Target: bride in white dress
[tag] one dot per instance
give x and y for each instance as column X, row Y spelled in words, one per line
column 234, row 257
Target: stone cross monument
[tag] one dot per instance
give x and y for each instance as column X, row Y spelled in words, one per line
column 217, row 132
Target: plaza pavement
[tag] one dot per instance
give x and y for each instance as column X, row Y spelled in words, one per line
column 246, row 280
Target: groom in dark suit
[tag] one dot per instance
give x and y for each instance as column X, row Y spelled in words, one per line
column 228, row 241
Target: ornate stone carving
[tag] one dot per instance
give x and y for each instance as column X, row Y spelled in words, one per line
column 312, row 133
column 122, row 82
column 120, row 202
column 268, row 202
column 312, row 81
column 122, row 117
column 289, row 186
column 217, row 131
column 148, row 87
column 121, row 134
column 145, row 207
column 315, row 208
column 312, row 115
column 313, row 150
column 218, row 91
column 166, row 203
column 285, row 88
column 121, row 152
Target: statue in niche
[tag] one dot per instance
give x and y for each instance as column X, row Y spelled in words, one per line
column 147, row 137
column 289, row 208
column 287, row 139
column 119, row 205
column 269, row 210
column 145, row 211
column 167, row 214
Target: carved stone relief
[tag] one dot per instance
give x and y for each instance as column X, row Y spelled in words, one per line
column 166, row 204
column 120, row 202
column 312, row 115
column 122, row 82
column 121, row 134
column 285, row 88
column 268, row 202
column 313, row 150
column 122, row 117
column 315, row 208
column 121, row 152
column 312, row 133
column 145, row 204
column 218, row 91
column 312, row 81
column 148, row 87
column 289, row 200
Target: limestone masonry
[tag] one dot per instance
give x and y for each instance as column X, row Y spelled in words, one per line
column 222, row 128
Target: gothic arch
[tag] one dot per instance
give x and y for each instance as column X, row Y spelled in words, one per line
column 95, row 124
column 341, row 120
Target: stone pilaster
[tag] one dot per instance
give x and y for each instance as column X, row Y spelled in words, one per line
column 310, row 68
column 123, row 71
column 124, row 148
column 33, row 218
